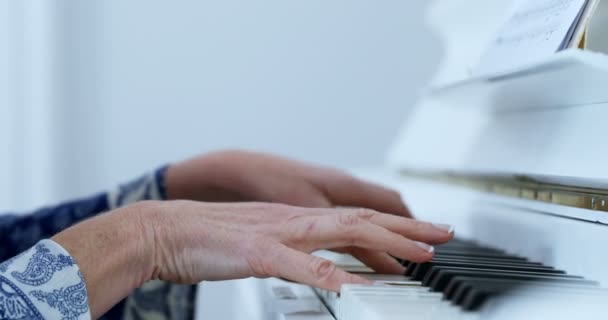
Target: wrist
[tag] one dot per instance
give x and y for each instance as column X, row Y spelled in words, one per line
column 113, row 252
column 140, row 223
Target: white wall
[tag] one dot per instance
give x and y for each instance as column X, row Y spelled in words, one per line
column 29, row 104
column 6, row 99
column 140, row 83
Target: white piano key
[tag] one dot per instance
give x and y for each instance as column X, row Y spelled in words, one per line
column 285, row 297
column 308, row 315
column 376, row 302
column 344, row 261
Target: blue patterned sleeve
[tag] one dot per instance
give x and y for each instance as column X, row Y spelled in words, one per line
column 43, row 282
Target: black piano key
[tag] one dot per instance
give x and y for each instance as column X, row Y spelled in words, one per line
column 431, row 274
column 459, row 295
column 412, row 267
column 488, row 260
column 468, row 274
column 460, row 287
column 471, row 256
column 462, row 242
column 421, row 269
column 477, row 295
column 457, row 286
column 438, row 278
column 455, row 246
column 499, row 274
column 468, row 250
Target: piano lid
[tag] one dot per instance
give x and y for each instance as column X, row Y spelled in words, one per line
column 462, row 133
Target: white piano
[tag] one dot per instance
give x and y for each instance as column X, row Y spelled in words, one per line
column 517, row 161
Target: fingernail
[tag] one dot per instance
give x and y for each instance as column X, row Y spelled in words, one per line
column 425, row 247
column 444, row 227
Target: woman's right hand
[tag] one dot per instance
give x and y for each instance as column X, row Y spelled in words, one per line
column 189, row 242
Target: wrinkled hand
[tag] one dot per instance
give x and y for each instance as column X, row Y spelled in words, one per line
column 189, row 242
column 206, row 241
column 247, row 176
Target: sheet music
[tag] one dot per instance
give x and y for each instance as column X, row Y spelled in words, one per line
column 534, row 29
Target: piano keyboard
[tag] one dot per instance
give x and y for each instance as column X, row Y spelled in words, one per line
column 460, row 282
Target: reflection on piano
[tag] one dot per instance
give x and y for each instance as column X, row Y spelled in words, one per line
column 516, row 162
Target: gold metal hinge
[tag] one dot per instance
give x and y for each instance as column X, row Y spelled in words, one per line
column 556, row 190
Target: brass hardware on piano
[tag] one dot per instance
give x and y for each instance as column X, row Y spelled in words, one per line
column 557, row 190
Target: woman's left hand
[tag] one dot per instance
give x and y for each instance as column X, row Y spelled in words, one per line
column 247, row 176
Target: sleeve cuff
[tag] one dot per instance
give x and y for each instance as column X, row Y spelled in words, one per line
column 43, row 282
column 148, row 187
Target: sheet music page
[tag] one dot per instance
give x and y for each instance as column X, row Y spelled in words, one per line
column 534, row 29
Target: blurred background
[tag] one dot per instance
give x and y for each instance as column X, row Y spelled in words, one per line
column 94, row 93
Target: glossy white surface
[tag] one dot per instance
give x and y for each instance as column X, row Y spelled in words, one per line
column 542, row 119
column 259, row 299
column 523, row 227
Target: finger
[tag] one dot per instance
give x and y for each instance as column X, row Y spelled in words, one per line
column 427, row 232
column 311, row 233
column 315, row 271
column 412, row 229
column 345, row 190
column 379, row 261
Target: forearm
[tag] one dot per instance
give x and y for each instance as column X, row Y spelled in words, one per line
column 21, row 231
column 113, row 252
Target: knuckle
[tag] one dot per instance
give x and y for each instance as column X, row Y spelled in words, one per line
column 292, row 214
column 261, row 267
column 304, row 231
column 348, row 220
column 260, row 257
column 321, row 269
column 366, row 214
column 309, row 228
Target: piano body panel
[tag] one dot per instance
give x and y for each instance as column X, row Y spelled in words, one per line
column 564, row 142
column 541, row 119
column 436, row 136
column 560, row 142
column 540, row 231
